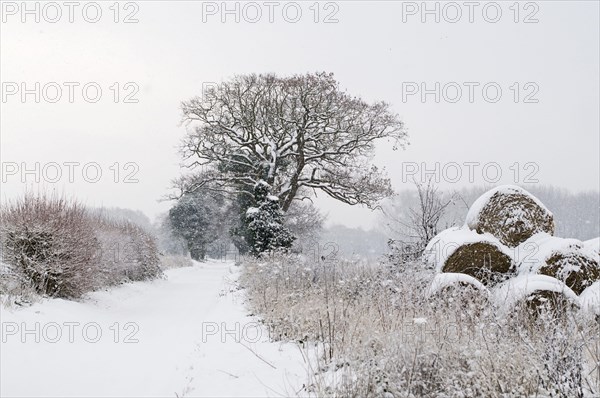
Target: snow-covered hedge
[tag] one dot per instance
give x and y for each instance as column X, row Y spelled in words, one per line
column 127, row 252
column 60, row 249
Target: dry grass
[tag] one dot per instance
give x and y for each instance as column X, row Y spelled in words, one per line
column 371, row 331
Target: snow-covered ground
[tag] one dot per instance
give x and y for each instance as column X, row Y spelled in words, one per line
column 187, row 335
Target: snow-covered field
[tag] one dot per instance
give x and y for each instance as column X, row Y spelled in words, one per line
column 186, row 335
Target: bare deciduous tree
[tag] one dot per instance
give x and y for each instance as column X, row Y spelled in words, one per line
column 299, row 134
column 420, row 221
column 426, row 218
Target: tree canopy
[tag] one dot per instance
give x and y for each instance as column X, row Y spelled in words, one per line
column 298, row 134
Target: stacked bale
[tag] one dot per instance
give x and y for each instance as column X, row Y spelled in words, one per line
column 565, row 259
column 590, row 299
column 456, row 291
column 535, row 291
column 511, row 214
column 593, row 245
column 507, row 230
column 447, row 281
column 460, row 250
column 451, row 285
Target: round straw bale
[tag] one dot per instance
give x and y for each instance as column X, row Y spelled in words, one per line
column 567, row 260
column 464, row 251
column 511, row 214
column 593, row 245
column 535, row 291
column 445, row 282
column 590, row 299
column 459, row 291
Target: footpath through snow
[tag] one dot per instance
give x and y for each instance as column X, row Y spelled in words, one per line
column 188, row 335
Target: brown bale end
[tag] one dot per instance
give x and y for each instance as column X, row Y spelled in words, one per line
column 511, row 214
column 481, row 260
column 459, row 291
column 576, row 270
column 545, row 300
column 567, row 260
column 535, row 292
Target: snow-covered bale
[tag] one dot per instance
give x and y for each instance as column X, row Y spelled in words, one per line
column 459, row 291
column 534, row 291
column 460, row 250
column 589, row 299
column 438, row 247
column 565, row 259
column 593, row 245
column 449, row 281
column 511, row 214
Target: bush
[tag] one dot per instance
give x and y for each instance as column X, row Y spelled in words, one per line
column 127, row 252
column 49, row 241
column 62, row 250
column 14, row 288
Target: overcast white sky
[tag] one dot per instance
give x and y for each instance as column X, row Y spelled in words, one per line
column 171, row 52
